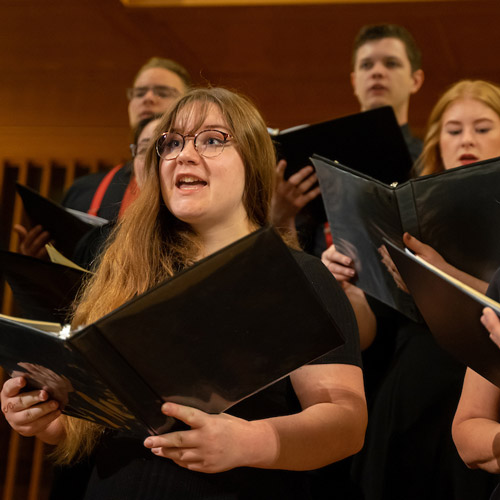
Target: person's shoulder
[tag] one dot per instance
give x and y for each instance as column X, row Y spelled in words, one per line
column 80, row 193
column 311, row 265
column 322, row 280
column 90, row 180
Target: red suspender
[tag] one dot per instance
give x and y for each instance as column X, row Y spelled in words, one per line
column 95, row 205
column 328, row 235
column 130, row 195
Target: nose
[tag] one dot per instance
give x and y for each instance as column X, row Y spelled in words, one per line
column 149, row 95
column 189, row 152
column 378, row 69
column 468, row 136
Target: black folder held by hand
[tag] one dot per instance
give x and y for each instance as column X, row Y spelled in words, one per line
column 65, row 226
column 42, row 290
column 370, row 142
column 456, row 211
column 212, row 335
column 452, row 310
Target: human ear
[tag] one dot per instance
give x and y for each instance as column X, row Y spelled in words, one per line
column 418, row 79
column 353, row 82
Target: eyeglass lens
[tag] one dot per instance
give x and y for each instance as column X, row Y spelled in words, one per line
column 161, row 91
column 208, row 143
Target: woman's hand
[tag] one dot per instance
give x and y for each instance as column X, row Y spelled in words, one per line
column 393, row 270
column 433, row 257
column 215, row 443
column 292, row 194
column 30, row 413
column 341, row 266
column 32, row 242
column 425, row 251
column 492, row 323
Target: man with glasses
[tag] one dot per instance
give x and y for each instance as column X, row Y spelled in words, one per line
column 156, row 86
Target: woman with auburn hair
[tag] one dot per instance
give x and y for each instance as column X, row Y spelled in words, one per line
column 207, row 183
column 408, row 451
column 485, row 93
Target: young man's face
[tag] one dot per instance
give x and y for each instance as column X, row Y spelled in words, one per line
column 383, row 76
column 154, row 91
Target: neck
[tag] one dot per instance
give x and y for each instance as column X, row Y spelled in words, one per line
column 401, row 114
column 215, row 238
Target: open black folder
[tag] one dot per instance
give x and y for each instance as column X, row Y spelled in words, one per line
column 65, row 226
column 212, row 335
column 370, row 142
column 452, row 310
column 456, row 211
column 43, row 290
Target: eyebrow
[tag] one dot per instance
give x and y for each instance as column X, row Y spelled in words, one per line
column 459, row 122
column 205, row 127
column 216, row 127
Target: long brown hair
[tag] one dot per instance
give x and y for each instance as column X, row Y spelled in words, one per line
column 430, row 160
column 150, row 244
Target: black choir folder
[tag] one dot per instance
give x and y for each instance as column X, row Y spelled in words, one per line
column 42, row 290
column 65, row 226
column 215, row 333
column 370, row 142
column 452, row 310
column 456, row 211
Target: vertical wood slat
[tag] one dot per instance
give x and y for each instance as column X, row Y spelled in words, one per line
column 14, row 443
column 10, row 475
column 36, row 471
column 14, row 239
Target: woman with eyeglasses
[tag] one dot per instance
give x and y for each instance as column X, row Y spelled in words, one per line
column 89, row 248
column 208, row 181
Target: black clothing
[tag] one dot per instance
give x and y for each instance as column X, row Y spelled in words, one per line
column 311, row 234
column 126, row 470
column 494, row 292
column 414, row 144
column 79, row 196
column 409, row 452
column 90, row 247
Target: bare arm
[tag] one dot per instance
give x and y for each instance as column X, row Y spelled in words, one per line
column 342, row 267
column 330, row 427
column 476, row 427
column 492, row 323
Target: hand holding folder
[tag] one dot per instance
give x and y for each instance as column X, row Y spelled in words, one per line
column 452, row 311
column 453, row 211
column 370, row 142
column 212, row 335
column 65, row 226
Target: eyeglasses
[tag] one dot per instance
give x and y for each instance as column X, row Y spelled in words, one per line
column 161, row 91
column 208, row 143
column 138, row 150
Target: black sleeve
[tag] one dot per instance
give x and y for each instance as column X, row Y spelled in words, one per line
column 79, row 195
column 337, row 304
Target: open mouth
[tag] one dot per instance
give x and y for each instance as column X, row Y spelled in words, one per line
column 189, row 182
column 468, row 158
column 377, row 88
